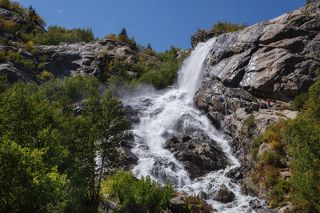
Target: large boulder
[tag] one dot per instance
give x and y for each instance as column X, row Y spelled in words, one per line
column 224, row 195
column 273, row 59
column 198, row 153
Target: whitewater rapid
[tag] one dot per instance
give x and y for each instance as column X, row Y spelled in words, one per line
column 170, row 112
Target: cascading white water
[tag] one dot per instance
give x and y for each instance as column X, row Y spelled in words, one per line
column 160, row 113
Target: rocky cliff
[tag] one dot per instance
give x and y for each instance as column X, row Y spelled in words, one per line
column 68, row 59
column 251, row 75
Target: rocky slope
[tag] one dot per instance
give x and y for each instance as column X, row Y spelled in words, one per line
column 21, row 59
column 251, row 75
column 68, row 59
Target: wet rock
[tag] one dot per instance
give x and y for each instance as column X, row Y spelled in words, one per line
column 127, row 158
column 236, row 174
column 132, row 114
column 202, row 195
column 201, row 36
column 224, row 195
column 198, row 153
column 185, row 203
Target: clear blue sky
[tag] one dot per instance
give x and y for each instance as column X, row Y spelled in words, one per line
column 161, row 22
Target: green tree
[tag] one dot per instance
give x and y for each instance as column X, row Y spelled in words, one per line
column 109, row 127
column 303, row 136
column 123, row 33
column 27, row 183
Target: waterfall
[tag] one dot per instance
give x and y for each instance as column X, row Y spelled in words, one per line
column 161, row 114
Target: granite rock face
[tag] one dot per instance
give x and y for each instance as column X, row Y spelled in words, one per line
column 84, row 58
column 250, row 77
column 198, row 153
column 273, row 59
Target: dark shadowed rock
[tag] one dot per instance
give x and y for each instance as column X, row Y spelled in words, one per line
column 224, row 195
column 14, row 74
column 201, row 36
column 198, row 153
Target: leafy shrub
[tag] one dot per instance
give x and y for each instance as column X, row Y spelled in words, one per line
column 300, row 101
column 56, row 35
column 70, row 90
column 162, row 76
column 5, row 4
column 303, row 136
column 9, row 25
column 249, row 122
column 133, row 194
column 46, row 75
column 3, row 83
column 226, row 27
column 196, row 205
column 123, row 37
column 278, row 193
column 271, row 158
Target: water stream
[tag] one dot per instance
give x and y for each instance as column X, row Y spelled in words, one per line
column 168, row 112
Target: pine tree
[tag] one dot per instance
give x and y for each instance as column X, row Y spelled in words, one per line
column 123, row 33
column 149, row 47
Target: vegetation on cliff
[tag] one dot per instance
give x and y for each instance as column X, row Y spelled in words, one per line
column 297, row 142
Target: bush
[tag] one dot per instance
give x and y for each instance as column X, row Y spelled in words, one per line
column 70, row 90
column 249, row 122
column 278, row 193
column 46, row 75
column 226, row 27
column 271, row 158
column 55, row 35
column 162, row 76
column 5, row 4
column 300, row 101
column 133, row 194
column 303, row 136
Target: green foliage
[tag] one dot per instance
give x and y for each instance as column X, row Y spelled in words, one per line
column 165, row 73
column 273, row 136
column 16, row 58
column 51, row 151
column 278, row 193
column 226, row 27
column 250, row 122
column 3, row 83
column 300, row 139
column 35, row 186
column 134, row 195
column 271, row 158
column 303, row 136
column 162, row 76
column 5, row 4
column 56, row 35
column 300, row 100
column 70, row 90
column 196, row 205
column 123, row 37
